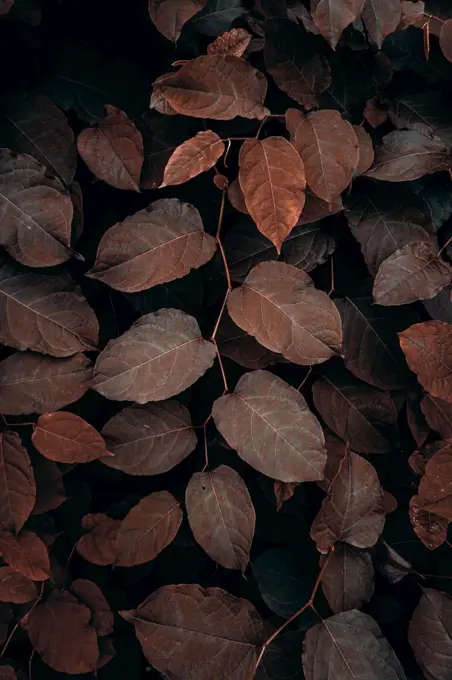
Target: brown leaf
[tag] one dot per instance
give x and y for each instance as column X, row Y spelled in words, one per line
column 348, row 646
column 408, row 154
column 416, row 421
column 16, row 588
column 242, row 348
column 98, row 546
column 17, row 483
column 45, row 313
column 332, row 16
column 431, row 529
column 7, row 672
column 159, row 356
column 67, row 438
column 89, row 594
column 428, row 350
column 445, row 39
column 415, row 272
column 279, row 306
column 236, row 197
column 435, row 489
column 373, row 112
column 232, row 42
column 381, row 17
column 335, row 451
column 59, row 629
column 158, row 101
column 348, row 581
column 196, row 155
column 389, row 502
column 50, row 493
column 307, row 247
column 283, row 491
column 149, row 439
column 218, row 87
column 221, row 516
column 438, row 414
column 329, row 148
column 272, row 179
column 169, row 16
column 147, row 529
column 356, row 413
column 353, row 510
column 32, row 383
column 161, row 243
column 430, row 634
column 413, row 14
column 315, row 209
column 270, row 426
column 26, row 553
column 113, row 150
column 183, row 628
column 36, row 212
column 366, row 150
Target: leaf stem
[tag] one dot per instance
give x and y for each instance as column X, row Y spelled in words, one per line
column 449, row 240
column 16, row 626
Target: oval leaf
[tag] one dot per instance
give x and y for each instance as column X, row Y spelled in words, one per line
column 196, row 155
column 169, row 16
column 429, row 633
column 26, row 553
column 89, row 594
column 98, row 546
column 67, row 438
column 381, row 17
column 15, row 587
column 17, row 483
column 332, row 16
column 431, row 529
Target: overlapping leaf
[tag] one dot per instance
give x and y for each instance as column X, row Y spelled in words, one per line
column 438, row 414
column 242, row 348
column 91, row 595
column 26, row 553
column 98, row 545
column 430, row 633
column 196, row 155
column 67, row 438
column 435, row 489
column 169, row 16
column 332, row 16
column 430, row 528
column 17, row 482
column 381, row 17
column 348, row 581
column 233, row 42
column 16, row 588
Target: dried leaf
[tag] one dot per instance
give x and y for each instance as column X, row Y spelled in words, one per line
column 59, row 629
column 161, row 355
column 16, row 588
column 353, row 510
column 147, row 529
column 17, row 483
column 431, row 529
column 232, row 42
column 415, row 272
column 184, row 627
column 428, row 350
column 279, row 306
column 435, row 489
column 366, row 150
column 150, row 439
column 272, row 180
column 347, row 646
column 99, row 544
column 329, row 148
column 445, row 39
column 356, row 413
column 26, row 553
column 113, row 150
column 430, row 633
column 196, row 155
column 408, row 154
column 89, row 594
column 283, row 491
column 32, row 383
column 161, row 243
column 348, row 581
column 67, row 438
column 221, row 516
column 438, row 414
column 271, row 428
column 169, row 16
column 45, row 313
column 36, row 212
column 381, row 17
column 218, row 87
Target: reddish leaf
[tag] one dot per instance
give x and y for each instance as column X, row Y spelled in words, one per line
column 357, row 414
column 270, row 426
column 59, row 629
column 435, row 489
column 335, row 451
column 50, row 493
column 218, row 87
column 232, row 42
column 161, row 355
column 26, row 553
column 283, row 491
column 431, row 529
column 240, row 347
column 348, row 581
column 413, row 14
column 36, row 212
column 113, row 150
column 221, row 516
column 315, row 209
column 279, row 306
column 184, row 627
column 158, row 100
column 373, row 113
column 332, row 16
column 381, row 17
column 438, row 414
column 161, row 243
column 196, row 155
column 17, row 483
column 89, row 594
column 272, row 180
column 16, row 588
column 169, row 16
column 428, row 350
column 430, row 633
column 67, row 438
column 147, row 529
column 150, row 439
column 329, row 148
column 445, row 39
column 99, row 544
column 7, row 672
column 406, row 155
column 236, row 197
column 45, row 313
column 348, row 646
column 366, row 150
column 416, row 420
column 31, row 383
column 353, row 510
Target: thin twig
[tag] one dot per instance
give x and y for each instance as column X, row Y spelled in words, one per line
column 263, row 121
column 11, row 635
column 332, row 275
column 305, row 378
column 309, row 603
column 449, row 240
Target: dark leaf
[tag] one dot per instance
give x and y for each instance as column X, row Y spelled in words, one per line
column 89, row 594
column 67, row 438
column 217, row 16
column 307, row 247
column 381, row 17
column 431, row 529
column 99, row 544
column 315, row 209
column 50, row 493
column 366, row 150
column 430, row 633
column 17, row 483
column 332, row 16
column 26, row 553
column 283, row 491
column 16, row 588
column 237, row 345
column 169, row 16
column 416, row 421
column 435, row 489
column 445, row 39
column 438, row 414
column 348, row 581
column 282, row 581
